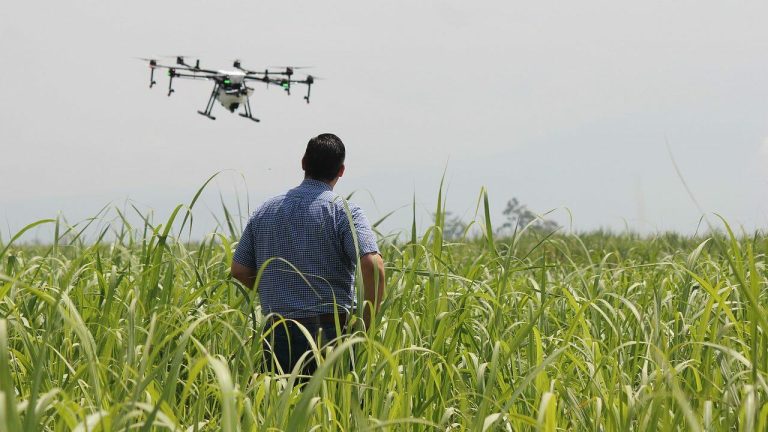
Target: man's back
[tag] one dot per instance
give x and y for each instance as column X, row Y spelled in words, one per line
column 309, row 228
column 305, row 245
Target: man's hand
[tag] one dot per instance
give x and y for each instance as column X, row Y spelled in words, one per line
column 371, row 265
column 246, row 275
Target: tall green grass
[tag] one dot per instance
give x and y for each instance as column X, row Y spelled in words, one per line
column 597, row 332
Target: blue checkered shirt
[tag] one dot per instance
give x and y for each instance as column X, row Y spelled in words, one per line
column 309, row 228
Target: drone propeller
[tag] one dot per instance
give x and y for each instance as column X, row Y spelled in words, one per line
column 238, row 65
column 181, row 60
column 293, row 67
column 289, row 70
column 176, row 56
column 152, row 66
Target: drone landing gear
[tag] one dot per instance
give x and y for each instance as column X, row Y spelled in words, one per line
column 250, row 117
column 247, row 113
column 211, row 101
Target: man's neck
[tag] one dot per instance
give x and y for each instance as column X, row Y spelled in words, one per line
column 331, row 183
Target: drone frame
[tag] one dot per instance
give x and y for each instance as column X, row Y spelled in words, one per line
column 187, row 71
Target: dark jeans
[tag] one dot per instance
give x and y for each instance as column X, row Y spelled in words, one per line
column 287, row 343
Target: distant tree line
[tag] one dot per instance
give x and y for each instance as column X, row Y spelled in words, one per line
column 517, row 216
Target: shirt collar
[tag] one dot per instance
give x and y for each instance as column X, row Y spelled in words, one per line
column 315, row 184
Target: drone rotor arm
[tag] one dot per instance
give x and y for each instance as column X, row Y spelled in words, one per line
column 205, row 71
column 257, row 74
column 264, row 79
column 201, row 76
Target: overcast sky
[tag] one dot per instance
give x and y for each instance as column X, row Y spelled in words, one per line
column 567, row 105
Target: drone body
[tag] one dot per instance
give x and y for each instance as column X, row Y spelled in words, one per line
column 232, row 91
column 230, row 87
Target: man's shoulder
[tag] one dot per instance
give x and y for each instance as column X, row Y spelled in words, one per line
column 346, row 209
column 277, row 199
column 340, row 202
column 267, row 205
column 329, row 199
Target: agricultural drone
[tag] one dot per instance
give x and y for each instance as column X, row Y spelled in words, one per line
column 230, row 87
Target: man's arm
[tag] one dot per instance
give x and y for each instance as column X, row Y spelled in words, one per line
column 244, row 259
column 371, row 266
column 246, row 275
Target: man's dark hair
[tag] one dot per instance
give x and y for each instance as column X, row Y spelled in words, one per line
column 324, row 157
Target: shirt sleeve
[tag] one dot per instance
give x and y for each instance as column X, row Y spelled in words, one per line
column 366, row 238
column 245, row 254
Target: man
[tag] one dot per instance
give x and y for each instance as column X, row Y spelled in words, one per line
column 306, row 245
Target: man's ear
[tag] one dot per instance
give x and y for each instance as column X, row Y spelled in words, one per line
column 341, row 171
column 303, row 163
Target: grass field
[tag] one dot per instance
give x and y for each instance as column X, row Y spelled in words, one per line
column 593, row 332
